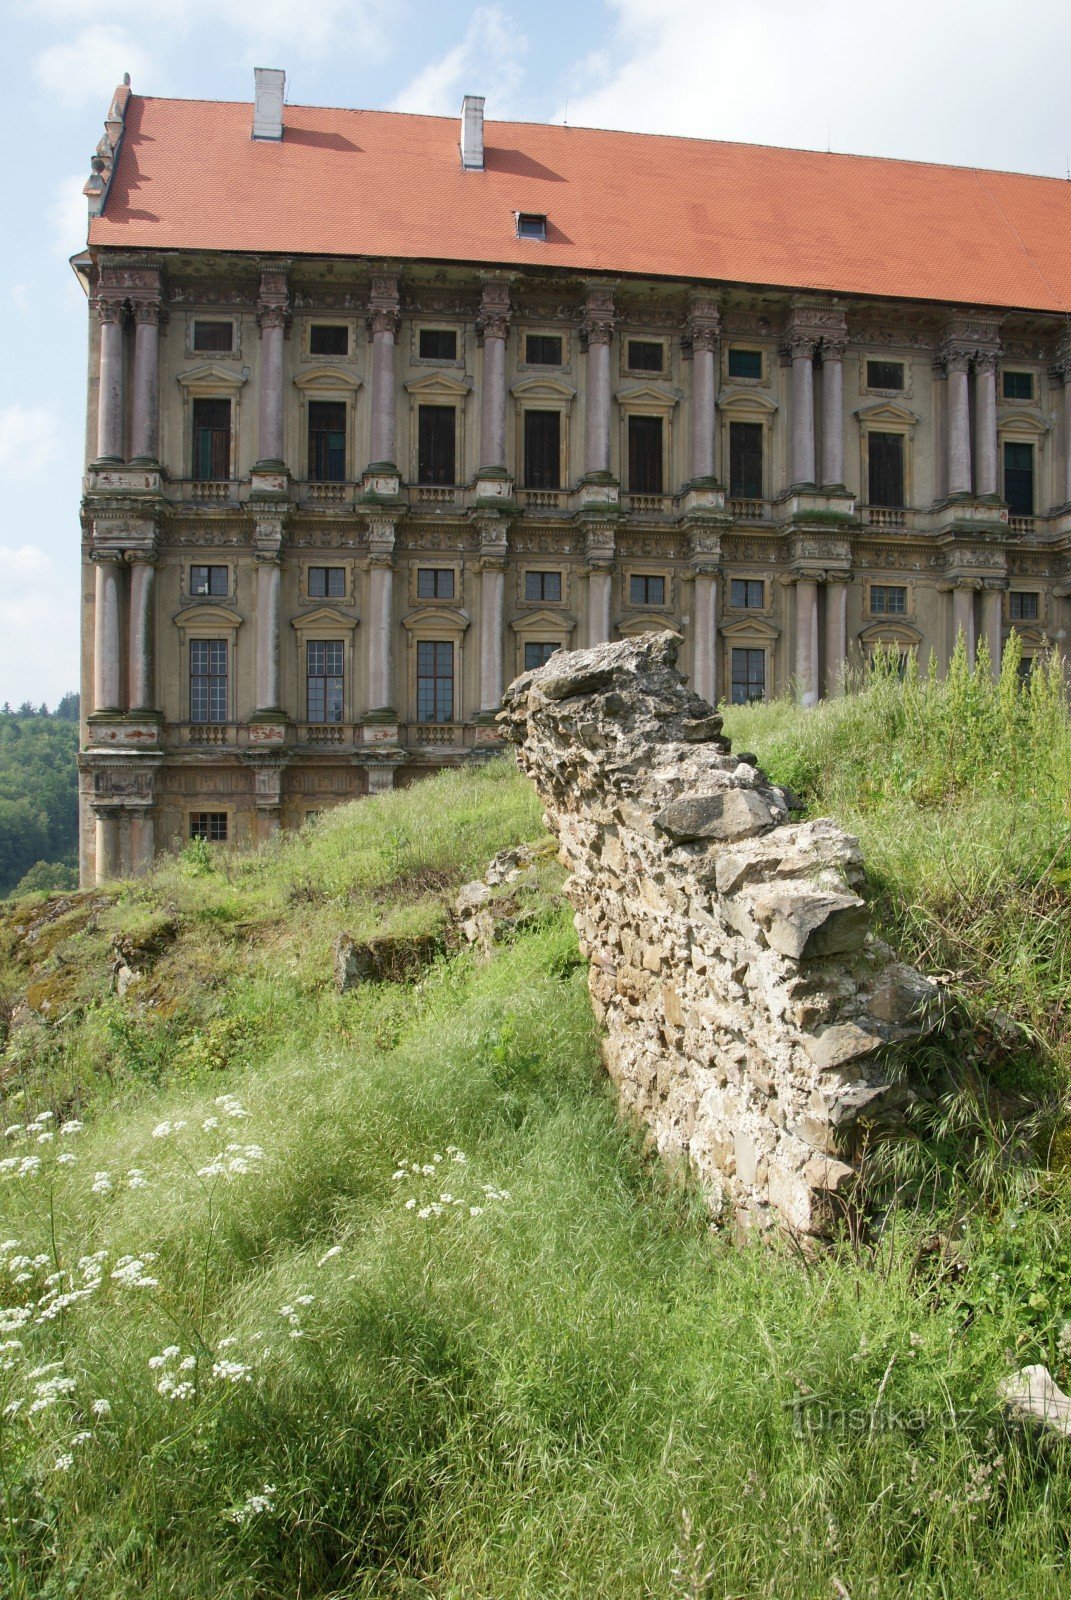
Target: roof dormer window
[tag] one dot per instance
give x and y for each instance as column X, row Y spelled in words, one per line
column 531, row 225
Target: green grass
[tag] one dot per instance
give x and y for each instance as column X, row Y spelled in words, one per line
column 583, row 1390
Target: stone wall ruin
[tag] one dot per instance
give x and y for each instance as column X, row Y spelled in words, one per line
column 751, row 1017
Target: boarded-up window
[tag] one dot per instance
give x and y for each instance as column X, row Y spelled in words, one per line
column 542, row 449
column 211, row 439
column 745, row 460
column 327, row 441
column 435, row 444
column 645, row 455
column 885, row 453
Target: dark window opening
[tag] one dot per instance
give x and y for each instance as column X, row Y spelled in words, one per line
column 435, row 680
column 208, row 680
column 747, row 593
column 646, row 589
column 748, row 676
column 543, row 350
column 1018, row 386
column 885, row 453
column 745, row 363
column 435, row 583
column 646, row 355
column 531, row 225
column 1025, row 669
column 209, row 580
column 211, row 439
column 327, row 582
column 1022, row 606
column 438, row 344
column 542, row 449
column 214, row 336
column 327, row 441
column 888, row 600
column 329, row 339
column 885, row 374
column 537, row 655
column 323, row 679
column 745, row 460
column 645, row 455
column 542, row 586
column 1019, row 479
column 211, row 825
column 435, row 444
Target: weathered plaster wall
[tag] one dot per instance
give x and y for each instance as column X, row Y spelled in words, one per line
column 751, row 1017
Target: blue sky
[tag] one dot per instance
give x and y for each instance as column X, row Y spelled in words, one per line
column 940, row 80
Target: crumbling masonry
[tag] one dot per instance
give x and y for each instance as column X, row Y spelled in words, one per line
column 750, row 1015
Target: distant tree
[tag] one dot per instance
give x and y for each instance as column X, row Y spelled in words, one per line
column 46, row 875
column 68, row 708
column 26, row 709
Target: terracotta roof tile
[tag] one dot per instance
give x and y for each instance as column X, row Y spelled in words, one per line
column 389, row 184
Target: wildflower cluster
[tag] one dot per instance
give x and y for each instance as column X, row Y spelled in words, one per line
column 292, row 1313
column 255, row 1506
column 41, row 1131
column 415, row 1171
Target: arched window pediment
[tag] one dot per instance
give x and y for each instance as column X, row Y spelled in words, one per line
column 219, row 617
column 331, row 379
column 637, row 622
column 532, row 390
column 546, row 621
column 445, row 618
column 887, row 632
column 746, row 400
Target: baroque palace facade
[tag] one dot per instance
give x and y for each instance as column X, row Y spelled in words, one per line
column 379, row 417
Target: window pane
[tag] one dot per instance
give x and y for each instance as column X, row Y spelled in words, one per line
column 647, row 590
column 645, row 455
column 646, row 355
column 213, row 336
column 435, row 681
column 1018, row 386
column 435, row 444
column 745, row 460
column 888, row 599
column 208, row 580
column 748, row 676
column 1022, row 607
column 747, row 592
column 885, row 452
column 745, row 363
column 885, row 374
column 438, row 344
column 435, row 583
column 208, row 680
column 543, row 350
column 1019, row 479
column 543, row 586
column 537, row 655
column 326, row 339
column 542, row 449
column 211, row 439
column 531, row 225
column 209, row 825
column 327, row 441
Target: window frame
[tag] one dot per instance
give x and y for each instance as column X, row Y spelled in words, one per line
column 210, row 567
column 654, row 341
column 887, row 417
column 435, row 677
column 1021, row 594
column 1016, row 442
column 532, row 225
column 541, row 573
column 541, row 411
column 326, row 568
column 430, row 331
column 436, row 599
column 438, row 389
column 209, row 678
column 343, row 432
column 225, row 813
column 647, row 400
column 199, row 318
column 644, row 575
column 544, row 393
column 551, row 646
column 545, row 366
column 886, row 433
column 196, row 476
column 733, row 493
column 876, row 584
column 749, row 650
column 324, row 678
column 446, row 418
column 732, row 349
column 347, row 324
column 745, row 605
column 870, row 387
column 423, row 325
column 1018, row 399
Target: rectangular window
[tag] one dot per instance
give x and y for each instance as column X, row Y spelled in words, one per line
column 537, row 655
column 1019, row 479
column 885, row 453
column 215, row 336
column 211, row 439
column 542, row 449
column 646, row 355
column 543, row 350
column 323, row 679
column 748, row 676
column 885, row 374
column 645, row 455
column 747, row 593
column 208, row 680
column 329, row 339
column 542, row 586
column 531, row 225
column 327, row 441
column 888, row 600
column 1022, row 606
column 327, row 582
column 1018, row 386
column 435, row 680
column 209, row 580
column 435, row 444
column 210, row 825
column 745, row 460
column 435, row 583
column 437, row 344
column 745, row 363
column 646, row 590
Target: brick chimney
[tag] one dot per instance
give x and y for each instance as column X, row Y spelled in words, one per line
column 268, row 95
column 472, row 133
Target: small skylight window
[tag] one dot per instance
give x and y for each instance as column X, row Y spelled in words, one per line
column 531, row 225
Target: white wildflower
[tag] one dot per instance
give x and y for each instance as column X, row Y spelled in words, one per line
column 13, row 1132
column 102, row 1183
column 63, row 1463
column 188, row 1364
column 410, row 1204
column 46, row 1138
column 136, row 1179
column 232, row 1372
column 255, row 1506
column 80, row 1438
column 209, row 1123
column 12, row 1408
column 170, row 1390
column 101, row 1408
column 130, row 1274
column 304, row 1299
column 12, row 1318
column 475, row 1211
column 66, row 1158
column 329, row 1255
column 73, row 1126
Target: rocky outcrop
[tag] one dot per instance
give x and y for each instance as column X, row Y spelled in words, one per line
column 751, row 1018
column 509, row 897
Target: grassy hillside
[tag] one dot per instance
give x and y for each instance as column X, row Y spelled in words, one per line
column 373, row 1295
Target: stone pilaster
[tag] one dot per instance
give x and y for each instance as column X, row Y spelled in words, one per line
column 269, row 585
column 704, row 571
column 107, row 632
column 832, row 354
column 963, row 593
column 273, row 317
column 108, row 819
column 141, row 652
column 807, row 686
column 836, row 631
column 380, row 671
column 145, row 422
column 1061, row 372
column 599, row 569
column 596, row 334
column 993, row 621
column 142, row 839
column 384, row 318
column 494, row 553
column 701, row 335
column 267, row 792
column 111, row 312
column 985, row 406
column 492, row 328
column 800, row 349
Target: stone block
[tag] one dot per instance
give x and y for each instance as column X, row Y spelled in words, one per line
column 726, row 814
column 805, row 925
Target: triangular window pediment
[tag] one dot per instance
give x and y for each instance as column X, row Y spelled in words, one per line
column 751, row 628
column 552, row 621
column 438, row 383
column 646, row 396
column 323, row 617
column 887, row 412
column 211, row 376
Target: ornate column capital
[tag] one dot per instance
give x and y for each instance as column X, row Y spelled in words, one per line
column 702, row 326
column 800, row 344
column 597, row 325
column 150, row 311
column 273, row 300
column 493, row 318
column 986, row 361
column 833, row 347
column 384, row 305
column 110, row 308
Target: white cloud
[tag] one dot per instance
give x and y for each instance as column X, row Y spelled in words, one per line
column 832, row 73
column 28, row 439
column 488, row 61
column 87, row 67
column 68, row 215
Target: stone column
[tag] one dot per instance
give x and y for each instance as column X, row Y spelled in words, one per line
column 108, row 858
column 145, row 434
column 836, row 631
column 492, row 595
column 269, row 589
column 110, row 396
column 142, row 840
column 993, row 623
column 273, row 316
column 107, row 635
column 599, row 567
column 701, row 332
column 801, row 348
column 963, row 617
column 597, row 331
column 832, row 412
column 381, row 615
column 1062, row 373
column 493, row 327
column 807, row 640
column 985, row 413
column 142, row 636
column 959, row 425
column 384, row 318
column 705, row 635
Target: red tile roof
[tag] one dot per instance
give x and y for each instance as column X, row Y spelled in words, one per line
column 389, row 184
